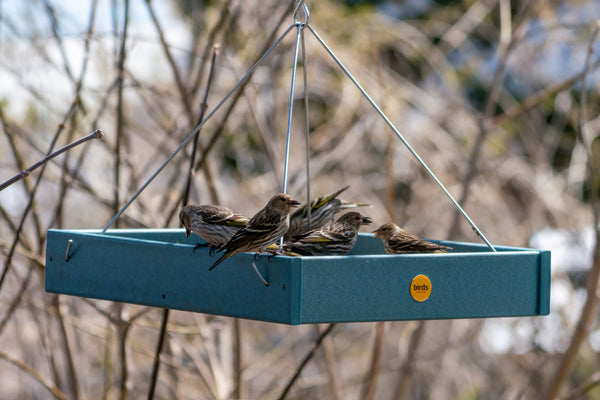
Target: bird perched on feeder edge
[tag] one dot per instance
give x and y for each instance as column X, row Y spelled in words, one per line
column 322, row 210
column 335, row 238
column 215, row 224
column 265, row 228
column 397, row 241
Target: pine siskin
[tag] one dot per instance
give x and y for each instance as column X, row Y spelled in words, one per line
column 335, row 238
column 215, row 224
column 322, row 211
column 265, row 228
column 397, row 241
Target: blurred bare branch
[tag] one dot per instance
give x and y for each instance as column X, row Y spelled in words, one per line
column 588, row 313
column 33, row 373
column 491, row 93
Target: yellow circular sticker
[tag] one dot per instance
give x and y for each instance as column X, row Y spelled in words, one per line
column 420, row 288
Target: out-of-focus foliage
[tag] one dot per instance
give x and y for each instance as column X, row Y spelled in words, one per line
column 445, row 72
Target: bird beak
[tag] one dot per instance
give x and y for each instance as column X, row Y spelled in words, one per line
column 187, row 232
column 366, row 220
column 375, row 233
column 293, row 202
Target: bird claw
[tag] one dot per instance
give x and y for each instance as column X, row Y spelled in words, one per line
column 198, row 245
column 211, row 251
column 273, row 254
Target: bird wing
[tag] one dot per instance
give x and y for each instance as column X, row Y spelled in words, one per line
column 403, row 241
column 227, row 217
column 318, row 203
column 325, row 236
column 261, row 224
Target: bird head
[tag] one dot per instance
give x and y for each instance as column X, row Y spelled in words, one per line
column 385, row 231
column 282, row 202
column 354, row 219
column 185, row 220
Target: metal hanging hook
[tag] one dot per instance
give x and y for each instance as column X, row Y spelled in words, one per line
column 69, row 244
column 304, row 10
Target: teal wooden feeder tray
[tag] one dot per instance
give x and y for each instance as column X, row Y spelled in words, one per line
column 157, row 267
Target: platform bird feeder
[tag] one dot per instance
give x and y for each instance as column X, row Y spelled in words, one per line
column 158, row 267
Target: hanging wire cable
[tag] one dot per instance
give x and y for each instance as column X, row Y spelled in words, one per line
column 306, row 129
column 290, row 109
column 408, row 146
column 300, row 27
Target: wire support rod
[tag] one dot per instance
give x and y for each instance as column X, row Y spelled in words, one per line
column 300, row 27
column 401, row 137
column 197, row 129
column 291, row 108
column 306, row 130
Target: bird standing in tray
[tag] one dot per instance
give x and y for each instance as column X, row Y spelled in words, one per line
column 215, row 224
column 322, row 211
column 335, row 238
column 265, row 228
column 397, row 241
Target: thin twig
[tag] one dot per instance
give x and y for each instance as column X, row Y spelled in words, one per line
column 484, row 126
column 186, row 193
column 330, row 365
column 66, row 347
column 8, row 261
column 34, row 374
column 240, row 89
column 97, row 134
column 373, row 372
column 122, row 330
column 203, row 108
column 57, row 216
column 119, row 134
column 59, row 41
column 305, row 361
column 239, row 390
column 14, row 303
column 407, row 368
column 581, row 391
column 221, row 24
column 539, row 97
column 159, row 346
column 185, row 96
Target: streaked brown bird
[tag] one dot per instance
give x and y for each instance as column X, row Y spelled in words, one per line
column 335, row 238
column 397, row 241
column 215, row 224
column 322, row 211
column 265, row 228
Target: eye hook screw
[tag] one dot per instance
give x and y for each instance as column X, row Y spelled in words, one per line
column 69, row 244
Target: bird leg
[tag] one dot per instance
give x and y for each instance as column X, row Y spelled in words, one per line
column 273, row 253
column 212, row 250
column 198, row 245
